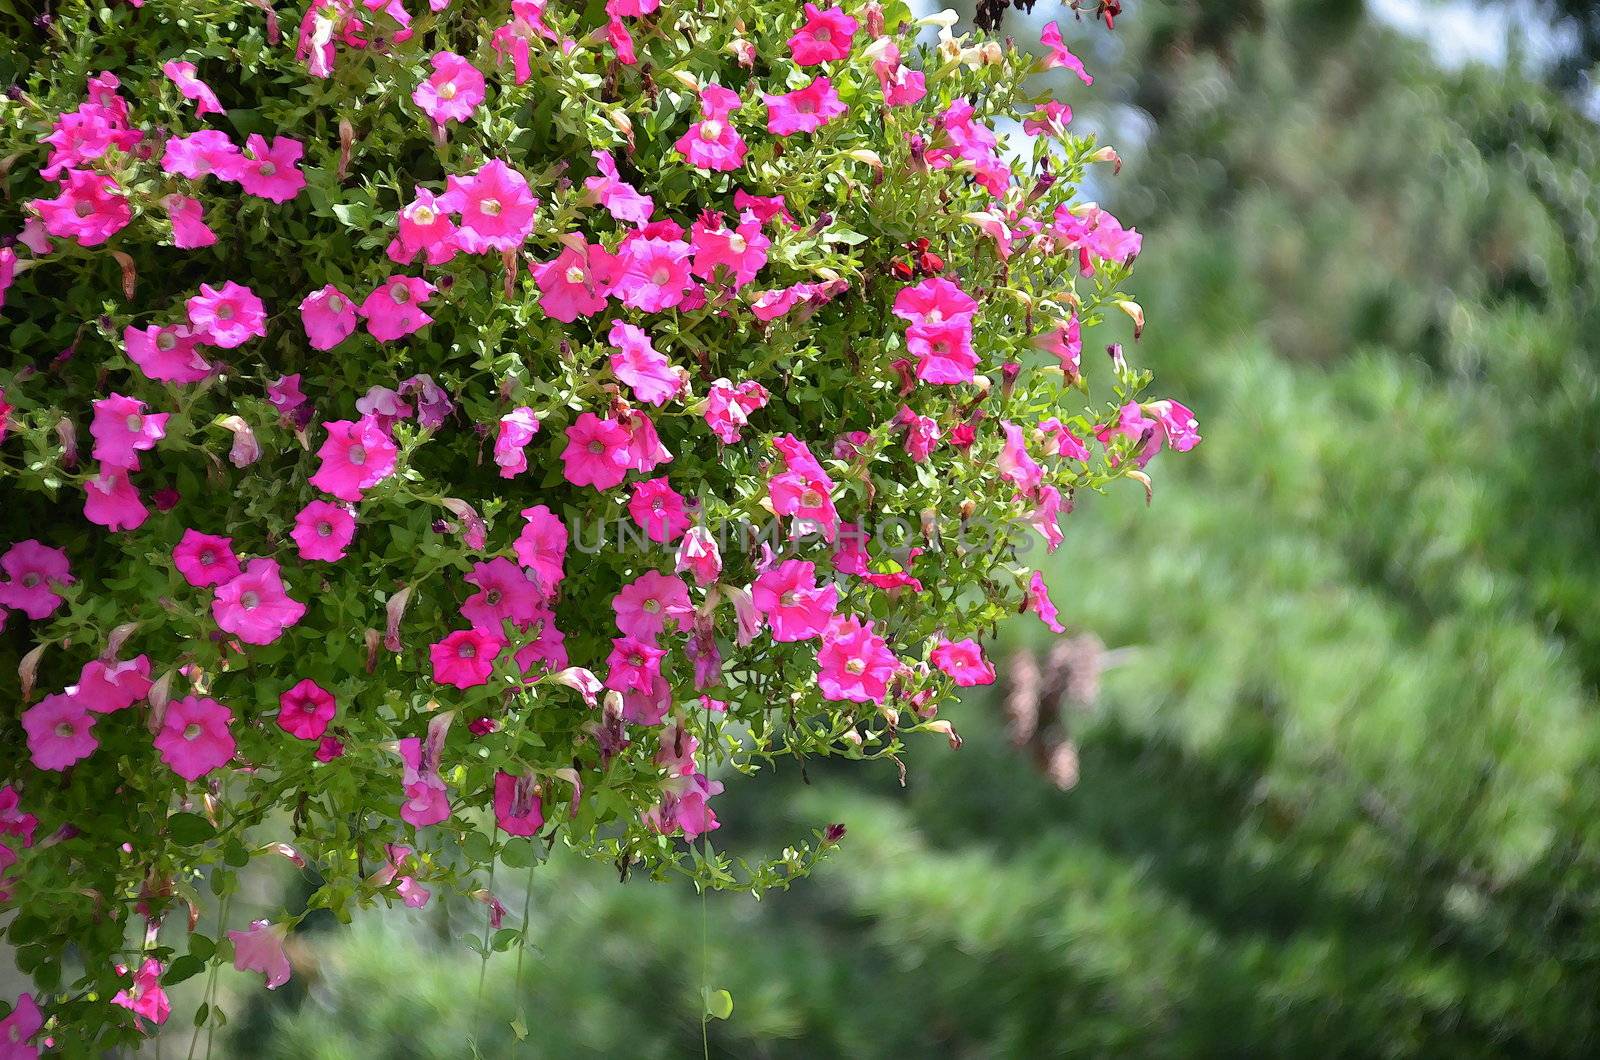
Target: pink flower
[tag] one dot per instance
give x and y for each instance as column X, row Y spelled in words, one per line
column 1062, row 442
column 621, row 199
column 16, row 1029
column 805, row 110
column 934, row 301
column 506, row 593
column 922, row 434
column 794, row 606
column 825, row 37
column 654, row 273
column 943, row 351
column 576, row 283
column 271, row 173
column 200, row 154
column 698, row 554
column 645, row 605
column 121, row 430
column 394, row 308
column 645, row 450
column 356, row 456
column 452, row 92
column 685, row 807
column 803, row 492
column 194, row 737
column 305, row 710
column 254, row 606
column 329, row 748
column 90, row 208
column 192, row 88
column 542, row 546
column 1048, row 119
column 1045, row 517
column 633, row 664
column 712, row 143
column 107, row 687
column 427, row 800
column 189, row 228
column 1179, row 429
column 60, row 731
column 631, row 8
column 636, row 363
column 1015, row 465
column 111, row 501
column 8, row 275
column 1060, row 56
column 465, row 658
column 963, row 661
column 518, row 809
column 496, row 207
column 260, row 949
column 658, row 509
column 596, row 453
column 901, row 85
column 621, row 41
column 144, row 996
column 323, row 531
column 1039, row 603
column 740, row 252
column 728, row 408
column 424, row 225
column 328, row 316
column 854, row 663
column 168, row 354
column 227, row 318
column 1066, row 343
column 851, row 556
column 517, row 429
column 205, row 559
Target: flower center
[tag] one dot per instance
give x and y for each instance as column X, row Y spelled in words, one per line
column 597, row 447
column 207, row 558
column 357, row 455
column 710, row 129
column 83, row 209
column 661, row 276
column 658, row 505
column 805, row 106
column 467, row 651
column 492, row 597
column 575, row 274
column 135, row 423
column 636, row 659
column 250, row 601
column 788, row 599
column 856, row 666
column 447, row 90
column 30, row 580
column 736, row 243
column 192, row 730
column 335, row 304
column 400, row 293
column 652, row 606
column 490, row 207
column 424, row 215
column 65, row 730
column 166, row 341
column 224, row 312
column 324, row 529
column 266, row 169
column 823, row 35
column 811, row 498
column 934, row 316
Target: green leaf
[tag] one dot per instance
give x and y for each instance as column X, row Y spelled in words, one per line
column 186, row 967
column 189, row 829
column 719, row 1004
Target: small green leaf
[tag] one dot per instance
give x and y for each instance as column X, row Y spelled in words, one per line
column 189, row 829
column 719, row 1004
column 186, row 967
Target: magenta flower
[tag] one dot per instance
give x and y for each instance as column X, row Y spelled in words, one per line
column 227, row 318
column 654, row 273
column 804, row 110
column 712, row 143
column 637, row 363
column 496, row 207
column 685, row 807
column 963, row 661
column 596, row 453
column 465, row 658
column 305, row 710
column 356, row 456
column 506, row 593
column 427, row 800
column 943, row 351
column 631, row 8
column 854, row 663
column 658, row 509
column 121, row 430
column 644, row 451
column 646, row 604
column 260, row 949
column 107, row 687
column 329, row 317
column 739, row 252
column 144, row 996
column 1065, row 343
column 424, row 225
column 901, row 85
column 620, row 199
column 254, row 606
column 517, row 429
column 1061, row 441
column 60, row 731
column 1015, row 465
column 794, row 606
column 8, row 274
column 518, row 809
column 825, row 37
column 1039, row 603
column 1050, row 118
column 90, row 208
column 934, row 301
column 205, row 559
column 194, row 737
column 189, row 228
column 576, row 283
column 271, row 172
column 323, row 531
column 16, row 1029
column 394, row 308
column 1060, row 56
column 851, row 556
column 452, row 92
column 168, row 354
column 201, row 154
column 728, row 408
column 633, row 665
column 191, row 87
column 112, row 501
column 329, row 748
column 542, row 546
column 699, row 556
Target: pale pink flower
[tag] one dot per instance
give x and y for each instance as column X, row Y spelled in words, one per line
column 854, row 663
column 728, row 408
column 356, row 456
column 1065, row 342
column 1015, row 465
column 191, row 87
column 394, row 308
column 271, row 172
column 825, row 37
column 228, row 317
column 794, row 605
column 576, row 283
column 329, row 316
column 654, row 273
column 1039, row 603
column 637, row 363
column 305, row 710
column 144, row 996
column 260, row 949
column 254, row 606
column 121, row 430
column 922, row 433
column 60, row 731
column 804, row 110
column 189, row 228
column 645, row 605
column 112, row 501
column 168, row 354
column 1050, row 118
column 658, row 509
column 496, row 207
column 208, row 152
column 1060, row 56
column 90, row 208
column 542, row 546
column 740, row 252
column 518, row 809
column 322, row 531
column 685, row 807
column 205, row 559
column 452, row 92
column 596, row 453
column 1062, row 442
column 517, row 429
column 1045, row 517
column 963, row 661
column 194, row 737
column 620, row 199
column 465, row 658
column 944, row 351
column 699, row 556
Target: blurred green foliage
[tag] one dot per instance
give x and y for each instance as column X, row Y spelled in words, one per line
column 1339, row 797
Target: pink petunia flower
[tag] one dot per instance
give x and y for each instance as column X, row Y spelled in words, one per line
column 329, row 748
column 271, row 172
column 1039, row 603
column 452, row 92
column 506, row 593
column 804, row 110
column 935, row 300
column 322, row 531
column 620, row 199
column 90, row 208
column 854, row 663
column 427, row 799
column 1065, row 342
column 637, row 363
column 1015, row 465
column 144, row 996
column 596, row 453
column 644, row 451
column 728, row 408
column 107, row 687
column 963, row 661
column 654, row 273
column 208, row 152
column 901, row 85
column 576, row 283
column 633, row 664
column 739, row 252
column 356, row 456
column 658, row 509
column 518, row 810
column 943, row 351
column 645, row 605
column 305, row 710
column 465, row 658
column 712, row 143
column 191, row 87
column 168, row 354
column 228, row 317
column 542, row 546
column 205, row 559
column 60, row 731
column 794, row 605
column 17, row 1029
column 496, row 207
column 1060, row 56
column 699, row 556
column 121, row 430
column 194, row 737
column 329, row 317
column 394, row 308
column 112, row 501
column 517, row 429
column 260, row 949
column 189, row 228
column 254, row 606
column 424, row 225
column 825, row 37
